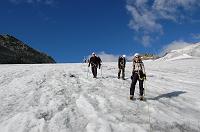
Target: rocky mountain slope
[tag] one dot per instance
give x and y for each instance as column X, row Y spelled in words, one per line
column 14, row 51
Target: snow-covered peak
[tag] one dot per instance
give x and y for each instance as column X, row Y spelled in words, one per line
column 191, row 51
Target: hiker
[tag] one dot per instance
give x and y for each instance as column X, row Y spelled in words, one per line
column 94, row 62
column 121, row 66
column 138, row 74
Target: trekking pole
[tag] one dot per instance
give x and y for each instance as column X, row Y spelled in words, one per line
column 87, row 71
column 149, row 120
column 144, row 87
column 101, row 71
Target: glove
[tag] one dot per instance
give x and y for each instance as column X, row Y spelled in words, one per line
column 144, row 76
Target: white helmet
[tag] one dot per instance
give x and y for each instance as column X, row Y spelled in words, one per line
column 136, row 54
column 124, row 56
column 93, row 53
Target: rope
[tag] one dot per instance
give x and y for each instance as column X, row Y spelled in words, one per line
column 139, row 76
column 144, row 87
column 140, row 67
column 149, row 120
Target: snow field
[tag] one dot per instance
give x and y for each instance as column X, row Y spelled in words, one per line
column 61, row 97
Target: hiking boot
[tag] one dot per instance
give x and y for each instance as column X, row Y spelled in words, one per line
column 131, row 97
column 141, row 98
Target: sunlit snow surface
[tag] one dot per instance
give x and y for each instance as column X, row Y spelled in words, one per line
column 65, row 98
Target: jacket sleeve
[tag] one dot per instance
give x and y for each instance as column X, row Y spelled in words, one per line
column 124, row 62
column 133, row 66
column 143, row 69
column 100, row 60
column 89, row 62
column 118, row 62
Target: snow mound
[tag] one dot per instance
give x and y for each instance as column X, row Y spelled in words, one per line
column 191, row 51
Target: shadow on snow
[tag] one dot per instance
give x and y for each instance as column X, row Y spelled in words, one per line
column 168, row 95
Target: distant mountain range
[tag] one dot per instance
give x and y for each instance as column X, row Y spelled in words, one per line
column 191, row 51
column 14, row 51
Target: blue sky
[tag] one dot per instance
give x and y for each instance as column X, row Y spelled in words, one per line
column 68, row 30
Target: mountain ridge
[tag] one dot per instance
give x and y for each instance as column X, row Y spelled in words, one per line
column 190, row 51
column 14, row 51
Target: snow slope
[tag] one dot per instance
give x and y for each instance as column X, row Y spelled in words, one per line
column 62, row 98
column 191, row 51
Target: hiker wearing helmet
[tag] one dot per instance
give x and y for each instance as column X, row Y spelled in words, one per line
column 121, row 66
column 138, row 74
column 94, row 62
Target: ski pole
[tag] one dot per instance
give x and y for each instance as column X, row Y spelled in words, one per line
column 101, row 71
column 145, row 87
column 87, row 71
column 149, row 120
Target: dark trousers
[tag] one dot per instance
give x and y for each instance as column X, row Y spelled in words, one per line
column 94, row 71
column 119, row 72
column 135, row 77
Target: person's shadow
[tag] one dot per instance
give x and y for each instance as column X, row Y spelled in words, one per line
column 168, row 95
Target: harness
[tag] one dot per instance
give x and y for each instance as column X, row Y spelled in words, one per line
column 93, row 64
column 122, row 63
column 139, row 69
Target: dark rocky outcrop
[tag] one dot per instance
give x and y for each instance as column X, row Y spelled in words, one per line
column 14, row 51
column 148, row 56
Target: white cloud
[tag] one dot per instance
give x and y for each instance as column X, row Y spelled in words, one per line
column 146, row 40
column 174, row 46
column 108, row 57
column 196, row 36
column 143, row 20
column 147, row 15
column 105, row 57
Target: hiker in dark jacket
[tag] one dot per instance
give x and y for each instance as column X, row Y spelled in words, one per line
column 138, row 74
column 121, row 66
column 94, row 62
